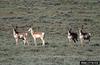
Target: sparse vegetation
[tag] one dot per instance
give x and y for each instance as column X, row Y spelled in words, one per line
column 52, row 17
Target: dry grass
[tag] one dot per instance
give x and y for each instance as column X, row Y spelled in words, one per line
column 53, row 17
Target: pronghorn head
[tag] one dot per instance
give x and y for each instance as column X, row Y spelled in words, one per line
column 29, row 29
column 14, row 26
column 69, row 31
column 14, row 29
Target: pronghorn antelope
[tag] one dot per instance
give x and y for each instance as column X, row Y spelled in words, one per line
column 20, row 35
column 37, row 35
column 72, row 36
column 84, row 36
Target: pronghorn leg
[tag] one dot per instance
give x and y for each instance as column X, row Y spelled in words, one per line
column 43, row 41
column 74, row 42
column 82, row 42
column 88, row 41
column 70, row 40
column 24, row 41
column 16, row 41
column 27, row 42
column 35, row 41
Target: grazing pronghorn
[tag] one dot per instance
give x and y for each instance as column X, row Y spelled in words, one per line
column 37, row 35
column 20, row 35
column 84, row 36
column 72, row 36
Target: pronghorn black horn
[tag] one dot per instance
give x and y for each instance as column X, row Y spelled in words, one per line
column 16, row 26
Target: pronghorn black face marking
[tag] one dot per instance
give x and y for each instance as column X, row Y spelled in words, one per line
column 16, row 31
column 72, row 36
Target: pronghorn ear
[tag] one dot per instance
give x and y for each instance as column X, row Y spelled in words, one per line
column 70, row 28
column 29, row 25
column 16, row 26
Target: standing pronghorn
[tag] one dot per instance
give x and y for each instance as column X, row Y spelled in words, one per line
column 37, row 35
column 84, row 36
column 72, row 36
column 20, row 35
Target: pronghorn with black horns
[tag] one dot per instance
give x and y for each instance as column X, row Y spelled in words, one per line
column 37, row 35
column 84, row 36
column 20, row 35
column 72, row 36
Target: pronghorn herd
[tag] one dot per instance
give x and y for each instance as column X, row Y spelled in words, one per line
column 72, row 36
column 83, row 36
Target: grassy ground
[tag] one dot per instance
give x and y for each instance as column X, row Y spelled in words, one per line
column 53, row 17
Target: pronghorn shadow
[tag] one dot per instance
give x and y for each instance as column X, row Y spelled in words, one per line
column 65, row 45
column 46, row 44
column 39, row 44
column 95, row 45
column 90, row 50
